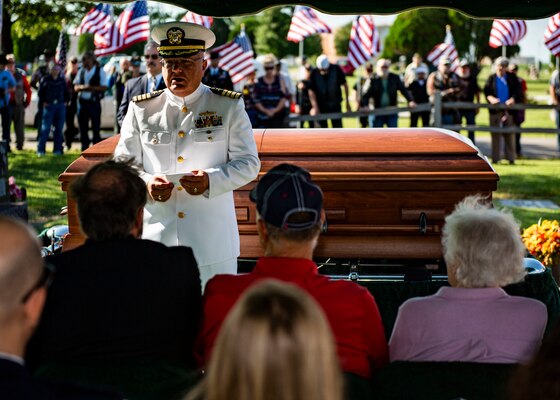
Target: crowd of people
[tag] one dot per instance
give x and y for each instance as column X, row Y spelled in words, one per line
column 156, row 280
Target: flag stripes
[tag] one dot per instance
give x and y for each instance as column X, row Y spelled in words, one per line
column 236, row 57
column 364, row 41
column 305, row 22
column 198, row 19
column 132, row 26
column 506, row 32
column 97, row 20
column 61, row 50
column 552, row 35
column 445, row 50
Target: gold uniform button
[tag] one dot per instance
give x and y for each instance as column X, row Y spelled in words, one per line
column 154, row 141
column 179, row 188
column 180, row 159
column 184, row 109
column 181, row 133
column 210, row 138
column 181, row 214
column 208, row 132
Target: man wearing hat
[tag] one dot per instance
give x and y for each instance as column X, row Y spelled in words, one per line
column 417, row 89
column 469, row 91
column 150, row 82
column 502, row 87
column 7, row 85
column 196, row 146
column 290, row 217
column 214, row 76
column 446, row 82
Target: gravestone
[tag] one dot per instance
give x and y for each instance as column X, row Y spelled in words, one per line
column 4, row 189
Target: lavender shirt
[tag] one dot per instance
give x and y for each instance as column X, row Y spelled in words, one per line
column 460, row 324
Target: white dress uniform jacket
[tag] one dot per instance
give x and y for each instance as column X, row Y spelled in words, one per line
column 171, row 135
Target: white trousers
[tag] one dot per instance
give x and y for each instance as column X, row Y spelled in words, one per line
column 224, row 267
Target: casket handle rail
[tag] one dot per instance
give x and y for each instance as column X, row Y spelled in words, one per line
column 423, row 223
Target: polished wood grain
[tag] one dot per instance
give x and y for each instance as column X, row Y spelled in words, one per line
column 376, row 182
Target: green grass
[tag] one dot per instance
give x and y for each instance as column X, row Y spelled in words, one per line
column 40, row 178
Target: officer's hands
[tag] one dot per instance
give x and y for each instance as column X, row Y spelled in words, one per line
column 159, row 188
column 195, row 184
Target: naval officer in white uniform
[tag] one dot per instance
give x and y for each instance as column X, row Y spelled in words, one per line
column 196, row 146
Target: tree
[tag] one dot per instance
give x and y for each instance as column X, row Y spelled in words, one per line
column 342, row 39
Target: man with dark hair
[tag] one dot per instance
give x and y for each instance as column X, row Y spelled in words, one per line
column 118, row 298
column 23, row 282
column 90, row 83
column 214, row 76
column 147, row 83
column 289, row 220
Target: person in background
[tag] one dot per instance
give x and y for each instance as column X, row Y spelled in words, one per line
column 502, row 87
column 303, row 102
column 282, row 72
column 519, row 115
column 445, row 82
column 248, row 90
column 383, row 90
column 276, row 339
column 39, row 73
column 151, row 82
column 134, row 70
column 474, row 320
column 53, row 93
column 361, row 87
column 72, row 105
column 419, row 93
column 469, row 91
column 214, row 76
column 19, row 99
column 554, row 89
column 90, row 83
column 325, row 91
column 289, row 220
column 116, row 80
column 269, row 96
column 7, row 85
column 410, row 70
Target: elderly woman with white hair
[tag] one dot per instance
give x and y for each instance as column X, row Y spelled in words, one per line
column 474, row 319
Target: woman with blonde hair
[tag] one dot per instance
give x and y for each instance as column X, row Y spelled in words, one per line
column 275, row 344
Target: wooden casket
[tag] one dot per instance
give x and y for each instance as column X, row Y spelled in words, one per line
column 387, row 191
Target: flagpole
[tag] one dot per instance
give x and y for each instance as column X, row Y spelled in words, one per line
column 299, row 97
column 504, row 51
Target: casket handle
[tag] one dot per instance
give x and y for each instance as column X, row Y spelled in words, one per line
column 423, row 223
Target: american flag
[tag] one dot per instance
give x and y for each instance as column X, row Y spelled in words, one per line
column 198, row 19
column 97, row 20
column 305, row 22
column 61, row 50
column 506, row 32
column 364, row 41
column 236, row 57
column 132, row 26
column 552, row 35
column 445, row 50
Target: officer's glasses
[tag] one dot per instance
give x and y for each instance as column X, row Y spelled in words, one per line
column 44, row 280
column 182, row 63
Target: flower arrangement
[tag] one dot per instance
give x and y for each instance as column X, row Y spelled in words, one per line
column 543, row 241
column 16, row 194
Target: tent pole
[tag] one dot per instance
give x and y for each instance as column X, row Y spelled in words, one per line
column 504, row 51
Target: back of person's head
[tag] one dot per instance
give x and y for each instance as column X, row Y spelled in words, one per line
column 539, row 380
column 109, row 198
column 275, row 344
column 289, row 203
column 482, row 246
column 21, row 273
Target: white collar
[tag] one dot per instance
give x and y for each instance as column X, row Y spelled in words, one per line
column 13, row 358
column 191, row 98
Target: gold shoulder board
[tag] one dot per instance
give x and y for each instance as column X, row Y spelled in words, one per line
column 226, row 93
column 147, row 96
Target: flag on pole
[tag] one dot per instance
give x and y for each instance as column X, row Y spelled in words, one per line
column 132, row 26
column 364, row 41
column 236, row 57
column 445, row 50
column 506, row 32
column 552, row 35
column 305, row 22
column 198, row 19
column 61, row 50
column 97, row 20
